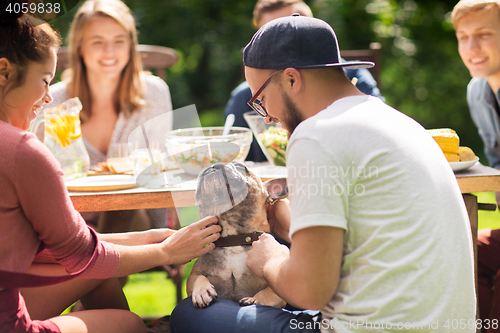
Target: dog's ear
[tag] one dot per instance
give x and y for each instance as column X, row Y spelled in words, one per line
column 220, row 187
column 276, row 189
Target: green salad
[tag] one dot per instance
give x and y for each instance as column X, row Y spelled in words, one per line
column 274, row 140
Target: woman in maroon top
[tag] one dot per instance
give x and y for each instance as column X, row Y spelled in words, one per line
column 49, row 257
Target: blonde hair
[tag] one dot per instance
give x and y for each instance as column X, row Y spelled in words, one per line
column 464, row 7
column 130, row 92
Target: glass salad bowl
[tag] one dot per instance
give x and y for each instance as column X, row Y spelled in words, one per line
column 272, row 138
column 194, row 149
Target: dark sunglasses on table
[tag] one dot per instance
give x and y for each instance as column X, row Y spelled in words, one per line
column 255, row 103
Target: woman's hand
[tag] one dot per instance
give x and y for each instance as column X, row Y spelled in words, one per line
column 278, row 216
column 192, row 241
column 153, row 236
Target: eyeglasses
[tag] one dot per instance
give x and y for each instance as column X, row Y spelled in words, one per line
column 255, row 103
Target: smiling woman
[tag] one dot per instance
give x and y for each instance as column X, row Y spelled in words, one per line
column 105, row 73
column 44, row 242
column 23, row 66
column 23, row 102
column 105, row 49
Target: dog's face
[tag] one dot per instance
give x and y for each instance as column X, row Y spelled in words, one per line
column 237, row 196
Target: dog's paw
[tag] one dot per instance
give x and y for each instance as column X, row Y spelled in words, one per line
column 245, row 301
column 203, row 297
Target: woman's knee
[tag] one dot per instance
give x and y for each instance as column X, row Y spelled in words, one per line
column 97, row 321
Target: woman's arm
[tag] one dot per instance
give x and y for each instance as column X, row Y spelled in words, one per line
column 66, row 236
column 181, row 247
column 151, row 236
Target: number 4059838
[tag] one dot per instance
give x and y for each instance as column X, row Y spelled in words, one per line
column 32, row 8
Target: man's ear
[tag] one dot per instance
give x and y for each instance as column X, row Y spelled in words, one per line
column 293, row 80
column 5, row 71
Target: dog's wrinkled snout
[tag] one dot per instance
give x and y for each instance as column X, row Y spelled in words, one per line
column 221, row 187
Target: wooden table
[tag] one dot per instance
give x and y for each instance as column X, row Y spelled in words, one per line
column 181, row 195
column 479, row 178
column 137, row 198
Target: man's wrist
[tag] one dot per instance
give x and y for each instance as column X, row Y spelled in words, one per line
column 273, row 266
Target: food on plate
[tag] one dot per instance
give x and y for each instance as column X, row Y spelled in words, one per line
column 466, row 154
column 204, row 156
column 275, row 140
column 115, row 165
column 452, row 157
column 449, row 142
column 120, row 165
column 437, row 131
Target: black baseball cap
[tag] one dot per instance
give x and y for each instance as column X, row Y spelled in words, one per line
column 297, row 42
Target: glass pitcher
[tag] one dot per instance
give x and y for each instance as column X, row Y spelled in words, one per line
column 63, row 137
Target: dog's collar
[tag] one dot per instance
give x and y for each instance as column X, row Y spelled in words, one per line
column 236, row 240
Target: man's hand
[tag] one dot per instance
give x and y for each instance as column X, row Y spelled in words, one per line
column 266, row 253
column 278, row 216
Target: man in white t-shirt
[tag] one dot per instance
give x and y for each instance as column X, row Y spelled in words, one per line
column 380, row 238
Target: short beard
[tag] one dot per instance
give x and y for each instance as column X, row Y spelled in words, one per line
column 292, row 116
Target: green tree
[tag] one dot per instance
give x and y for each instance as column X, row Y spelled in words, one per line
column 422, row 74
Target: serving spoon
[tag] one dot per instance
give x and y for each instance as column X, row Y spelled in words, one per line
column 229, row 123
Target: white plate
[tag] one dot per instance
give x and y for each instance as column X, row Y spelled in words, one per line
column 458, row 166
column 101, row 183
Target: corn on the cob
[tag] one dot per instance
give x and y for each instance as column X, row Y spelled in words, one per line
column 452, row 157
column 448, row 142
column 466, row 154
column 437, row 131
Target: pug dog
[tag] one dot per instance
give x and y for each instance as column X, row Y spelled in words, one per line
column 239, row 199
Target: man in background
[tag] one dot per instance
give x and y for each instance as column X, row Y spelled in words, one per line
column 477, row 27
column 265, row 11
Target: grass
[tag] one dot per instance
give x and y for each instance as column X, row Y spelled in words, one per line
column 488, row 219
column 152, row 295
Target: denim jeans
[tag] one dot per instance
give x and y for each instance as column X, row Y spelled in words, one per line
column 224, row 316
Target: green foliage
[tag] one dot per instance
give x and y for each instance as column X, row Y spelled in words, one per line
column 487, row 219
column 209, row 35
column 422, row 74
